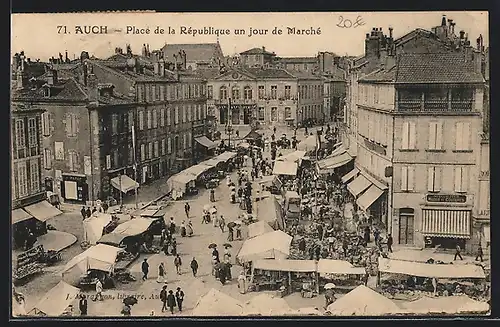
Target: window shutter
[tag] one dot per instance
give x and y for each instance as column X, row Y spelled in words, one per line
column 67, row 124
column 430, row 179
column 411, row 178
column 70, row 160
column 404, row 178
column 77, row 161
column 108, row 161
column 465, row 136
column 458, row 136
column 465, row 179
column 77, row 124
column 438, row 175
column 458, row 179
column 432, row 135
column 405, row 140
column 412, row 135
column 439, row 136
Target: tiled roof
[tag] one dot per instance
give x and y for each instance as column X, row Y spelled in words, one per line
column 208, row 73
column 380, row 75
column 436, row 68
column 194, row 52
column 303, row 75
column 68, row 89
column 270, row 73
column 411, row 35
column 298, row 60
column 119, row 68
column 256, row 51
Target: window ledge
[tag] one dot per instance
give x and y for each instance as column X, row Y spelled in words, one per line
column 462, row 151
column 435, row 150
column 408, row 150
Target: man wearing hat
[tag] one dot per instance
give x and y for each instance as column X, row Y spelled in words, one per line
column 179, row 296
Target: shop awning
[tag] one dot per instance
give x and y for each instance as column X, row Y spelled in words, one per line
column 358, row 185
column 285, row 168
column 446, row 223
column 197, row 170
column 216, row 303
column 206, row 142
column 259, row 228
column 124, row 183
column 419, row 269
column 286, row 265
column 19, row 215
column 273, row 245
column 55, row 301
column 151, row 213
column 370, row 196
column 334, row 162
column 338, row 267
column 133, row 227
column 226, row 156
column 212, row 162
column 347, row 177
column 338, row 151
column 43, row 210
column 294, row 156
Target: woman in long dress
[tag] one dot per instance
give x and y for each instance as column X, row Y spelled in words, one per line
column 242, row 283
column 189, row 228
column 183, row 229
column 161, row 274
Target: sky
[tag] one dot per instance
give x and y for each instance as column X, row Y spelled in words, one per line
column 41, row 38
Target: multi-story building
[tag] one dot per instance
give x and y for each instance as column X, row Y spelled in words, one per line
column 334, row 95
column 417, row 118
column 257, row 57
column 267, row 96
column 302, row 64
column 198, row 55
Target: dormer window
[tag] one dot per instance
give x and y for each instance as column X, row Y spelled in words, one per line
column 46, row 90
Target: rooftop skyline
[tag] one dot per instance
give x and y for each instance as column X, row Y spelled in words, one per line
column 45, row 42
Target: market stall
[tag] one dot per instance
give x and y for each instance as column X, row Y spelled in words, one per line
column 285, row 276
column 267, row 305
column 94, row 226
column 273, row 245
column 271, row 183
column 268, row 209
column 459, row 304
column 310, row 143
column 295, row 156
column 287, row 168
column 56, row 301
column 100, row 258
column 216, row 303
column 259, row 228
column 345, row 276
column 363, row 301
column 180, row 184
column 28, row 263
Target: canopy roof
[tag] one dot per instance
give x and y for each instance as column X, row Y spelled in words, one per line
column 339, row 267
column 285, row 168
column 133, row 227
column 94, row 225
column 252, row 135
column 273, row 245
column 216, row 303
column 43, row 210
column 285, row 265
column 295, row 156
column 363, row 301
column 430, row 270
column 308, row 144
column 212, row 162
column 55, row 301
column 332, row 162
column 19, row 215
column 206, row 142
column 225, row 156
column 459, row 304
column 196, row 170
column 267, row 305
column 100, row 257
column 124, row 183
column 259, row 228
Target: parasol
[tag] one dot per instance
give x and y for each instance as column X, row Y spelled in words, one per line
column 130, row 300
column 227, row 245
column 213, row 210
column 329, row 286
column 231, row 224
column 212, row 246
column 238, row 222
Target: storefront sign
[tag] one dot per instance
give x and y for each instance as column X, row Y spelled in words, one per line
column 375, row 147
column 456, row 198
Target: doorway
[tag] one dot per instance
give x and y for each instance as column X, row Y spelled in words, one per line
column 406, row 221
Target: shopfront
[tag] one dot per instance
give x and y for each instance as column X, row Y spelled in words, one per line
column 446, row 227
column 74, row 188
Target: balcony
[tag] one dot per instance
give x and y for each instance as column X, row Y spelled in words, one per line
column 435, row 106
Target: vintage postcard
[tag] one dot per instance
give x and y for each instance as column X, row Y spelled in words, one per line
column 250, row 164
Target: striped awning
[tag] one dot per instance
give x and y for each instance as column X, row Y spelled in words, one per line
column 347, row 177
column 358, row 185
column 446, row 223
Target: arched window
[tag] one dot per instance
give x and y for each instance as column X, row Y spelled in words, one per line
column 235, row 93
column 223, row 92
column 247, row 93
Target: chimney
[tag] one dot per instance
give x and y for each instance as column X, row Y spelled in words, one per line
column 162, row 67
column 263, row 49
column 66, row 56
column 144, row 50
column 156, row 67
column 184, row 59
column 443, row 21
column 52, row 77
column 175, row 62
column 93, row 89
column 462, row 33
column 147, row 51
column 390, row 32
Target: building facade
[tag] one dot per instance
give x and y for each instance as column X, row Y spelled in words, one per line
column 199, row 55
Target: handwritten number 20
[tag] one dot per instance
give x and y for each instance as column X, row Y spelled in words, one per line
column 347, row 23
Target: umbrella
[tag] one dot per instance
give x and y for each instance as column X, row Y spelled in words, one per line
column 231, row 224
column 329, row 286
column 212, row 246
column 238, row 222
column 130, row 300
column 213, row 210
column 227, row 245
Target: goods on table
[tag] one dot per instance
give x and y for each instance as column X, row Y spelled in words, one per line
column 27, row 270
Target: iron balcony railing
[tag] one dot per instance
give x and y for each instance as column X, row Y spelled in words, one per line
column 434, row 106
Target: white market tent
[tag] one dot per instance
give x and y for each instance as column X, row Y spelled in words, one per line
column 93, row 227
column 285, row 265
column 259, row 228
column 308, row 144
column 459, row 304
column 133, row 227
column 295, row 156
column 124, row 183
column 55, row 301
column 226, row 156
column 363, row 301
column 197, row 170
column 429, row 270
column 285, row 168
column 328, row 164
column 267, row 305
column 338, row 267
column 179, row 181
column 99, row 257
column 216, row 303
column 273, row 245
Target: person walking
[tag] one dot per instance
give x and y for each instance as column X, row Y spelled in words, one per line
column 88, row 212
column 222, row 223
column 302, row 245
column 242, row 283
column 105, row 206
column 194, row 267
column 479, row 254
column 179, row 296
column 145, row 269
column 389, row 243
column 212, row 195
column 215, row 221
column 161, row 274
column 162, row 237
column 98, row 290
column 457, row 253
column 178, row 264
column 174, row 246
column 183, row 229
column 171, row 301
column 238, row 232
column 172, row 226
column 320, row 232
column 83, row 305
column 189, row 228
column 230, row 234
column 84, row 213
column 126, row 310
column 163, row 298
column 187, row 207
